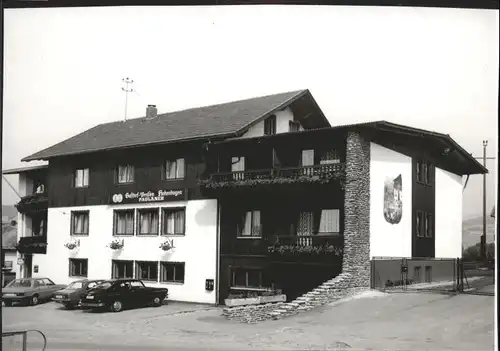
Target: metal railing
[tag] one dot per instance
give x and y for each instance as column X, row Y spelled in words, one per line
column 24, row 334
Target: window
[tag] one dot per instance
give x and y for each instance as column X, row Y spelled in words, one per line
column 307, row 158
column 329, row 157
column 428, row 274
column 38, row 226
column 146, row 270
column 424, row 225
column 174, row 221
column 77, row 267
column 174, row 169
column 250, row 225
column 270, row 125
column 124, row 222
column 172, row 272
column 238, row 167
column 424, row 172
column 122, row 269
column 428, row 225
column 294, row 126
column 48, row 282
column 148, row 221
column 8, row 264
column 125, row 174
column 329, row 221
column 79, row 222
column 248, row 278
column 82, row 178
column 419, row 224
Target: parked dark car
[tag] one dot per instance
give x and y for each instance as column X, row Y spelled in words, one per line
column 70, row 296
column 118, row 294
column 29, row 290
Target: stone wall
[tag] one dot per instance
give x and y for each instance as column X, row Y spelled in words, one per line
column 355, row 276
column 357, row 211
column 252, row 313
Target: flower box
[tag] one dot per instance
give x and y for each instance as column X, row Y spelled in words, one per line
column 116, row 244
column 255, row 300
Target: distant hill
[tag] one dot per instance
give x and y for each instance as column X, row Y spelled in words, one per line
column 9, row 212
column 472, row 229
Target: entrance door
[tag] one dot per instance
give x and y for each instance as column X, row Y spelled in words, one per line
column 28, row 266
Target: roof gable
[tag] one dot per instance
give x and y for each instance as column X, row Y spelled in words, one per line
column 221, row 120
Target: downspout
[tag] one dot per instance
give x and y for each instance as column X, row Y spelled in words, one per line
column 217, row 250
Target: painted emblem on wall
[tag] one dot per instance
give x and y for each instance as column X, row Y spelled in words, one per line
column 393, row 199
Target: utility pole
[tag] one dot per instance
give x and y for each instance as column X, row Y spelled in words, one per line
column 127, row 81
column 483, row 236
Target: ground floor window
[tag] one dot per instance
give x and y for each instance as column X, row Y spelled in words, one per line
column 78, row 267
column 147, row 270
column 246, row 278
column 172, row 272
column 428, row 274
column 122, row 269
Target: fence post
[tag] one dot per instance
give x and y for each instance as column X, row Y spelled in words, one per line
column 25, row 341
column 372, row 268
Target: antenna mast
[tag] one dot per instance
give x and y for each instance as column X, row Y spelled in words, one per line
column 127, row 81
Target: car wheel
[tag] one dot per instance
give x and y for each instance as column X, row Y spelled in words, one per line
column 116, row 306
column 34, row 300
column 157, row 301
column 7, row 303
column 68, row 306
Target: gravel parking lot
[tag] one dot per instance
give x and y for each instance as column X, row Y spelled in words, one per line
column 410, row 321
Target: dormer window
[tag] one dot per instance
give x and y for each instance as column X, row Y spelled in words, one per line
column 270, row 125
column 294, row 126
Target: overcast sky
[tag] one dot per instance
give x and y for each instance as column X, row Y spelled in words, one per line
column 434, row 69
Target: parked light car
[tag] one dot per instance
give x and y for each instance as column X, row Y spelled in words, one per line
column 118, row 294
column 29, row 290
column 70, row 296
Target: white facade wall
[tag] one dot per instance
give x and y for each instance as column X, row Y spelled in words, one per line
column 197, row 248
column 282, row 125
column 386, row 239
column 448, row 217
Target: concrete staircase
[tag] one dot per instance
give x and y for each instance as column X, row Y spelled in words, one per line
column 334, row 289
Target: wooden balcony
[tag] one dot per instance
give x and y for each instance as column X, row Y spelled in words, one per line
column 325, row 173
column 294, row 248
column 32, row 244
column 308, row 248
column 33, row 203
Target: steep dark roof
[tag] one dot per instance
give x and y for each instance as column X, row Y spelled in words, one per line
column 222, row 120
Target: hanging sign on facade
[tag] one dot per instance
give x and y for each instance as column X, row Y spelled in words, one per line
column 149, row 196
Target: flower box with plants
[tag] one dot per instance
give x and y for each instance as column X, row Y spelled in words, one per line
column 167, row 244
column 328, row 253
column 116, row 244
column 253, row 297
column 72, row 244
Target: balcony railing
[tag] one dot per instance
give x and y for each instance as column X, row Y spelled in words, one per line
column 317, row 173
column 33, row 203
column 32, row 245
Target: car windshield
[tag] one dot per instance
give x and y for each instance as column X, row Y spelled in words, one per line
column 75, row 285
column 20, row 283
